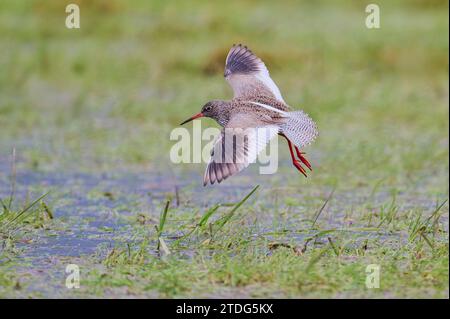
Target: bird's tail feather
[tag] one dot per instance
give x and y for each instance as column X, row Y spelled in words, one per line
column 300, row 129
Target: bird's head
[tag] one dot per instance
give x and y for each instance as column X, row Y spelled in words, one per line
column 216, row 109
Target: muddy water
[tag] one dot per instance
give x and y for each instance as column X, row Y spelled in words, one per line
column 94, row 212
column 97, row 208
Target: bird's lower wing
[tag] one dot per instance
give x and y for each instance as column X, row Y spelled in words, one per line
column 236, row 147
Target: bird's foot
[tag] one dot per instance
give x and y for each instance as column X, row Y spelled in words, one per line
column 302, row 158
column 299, row 167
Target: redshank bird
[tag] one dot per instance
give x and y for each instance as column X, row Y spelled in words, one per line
column 257, row 103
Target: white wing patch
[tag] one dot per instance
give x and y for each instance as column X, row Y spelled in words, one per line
column 270, row 108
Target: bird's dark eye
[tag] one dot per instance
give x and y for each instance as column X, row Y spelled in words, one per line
column 208, row 108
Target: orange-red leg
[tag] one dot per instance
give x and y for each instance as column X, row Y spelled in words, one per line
column 302, row 158
column 294, row 160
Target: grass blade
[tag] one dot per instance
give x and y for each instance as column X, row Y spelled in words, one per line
column 24, row 210
column 208, row 214
column 315, row 259
column 163, row 248
column 228, row 216
column 162, row 218
column 5, row 209
column 323, row 207
column 336, row 251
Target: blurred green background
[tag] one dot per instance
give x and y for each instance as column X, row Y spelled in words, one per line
column 104, row 98
column 109, row 93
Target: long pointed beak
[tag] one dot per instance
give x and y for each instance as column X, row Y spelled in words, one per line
column 196, row 116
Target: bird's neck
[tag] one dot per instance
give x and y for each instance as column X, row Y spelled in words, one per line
column 223, row 112
column 222, row 120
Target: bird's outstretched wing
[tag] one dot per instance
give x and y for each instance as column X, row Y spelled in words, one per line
column 237, row 146
column 248, row 75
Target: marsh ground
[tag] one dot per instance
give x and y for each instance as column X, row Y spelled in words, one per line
column 90, row 111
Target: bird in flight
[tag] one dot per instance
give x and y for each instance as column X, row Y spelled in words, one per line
column 255, row 115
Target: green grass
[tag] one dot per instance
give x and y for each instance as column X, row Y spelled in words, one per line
column 12, row 221
column 332, row 262
column 104, row 98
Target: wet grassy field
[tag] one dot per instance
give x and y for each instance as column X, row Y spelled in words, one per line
column 89, row 113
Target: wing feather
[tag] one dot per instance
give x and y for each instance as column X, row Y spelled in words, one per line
column 247, row 74
column 235, row 148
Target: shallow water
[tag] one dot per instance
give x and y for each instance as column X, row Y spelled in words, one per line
column 97, row 205
column 94, row 212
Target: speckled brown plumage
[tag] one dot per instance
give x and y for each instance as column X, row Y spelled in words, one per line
column 257, row 105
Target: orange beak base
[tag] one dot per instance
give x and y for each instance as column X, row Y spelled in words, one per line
column 196, row 116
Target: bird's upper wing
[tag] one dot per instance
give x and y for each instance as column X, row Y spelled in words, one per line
column 237, row 146
column 247, row 74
